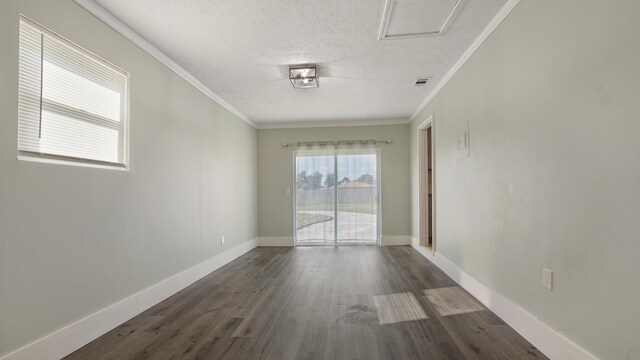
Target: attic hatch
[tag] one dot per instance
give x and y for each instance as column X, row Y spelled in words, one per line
column 412, row 18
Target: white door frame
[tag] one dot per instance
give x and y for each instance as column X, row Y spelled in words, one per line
column 423, row 191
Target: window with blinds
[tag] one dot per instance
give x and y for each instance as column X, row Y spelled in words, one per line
column 72, row 105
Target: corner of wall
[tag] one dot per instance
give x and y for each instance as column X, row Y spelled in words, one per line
column 395, row 240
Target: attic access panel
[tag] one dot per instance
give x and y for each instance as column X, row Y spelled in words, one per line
column 416, row 18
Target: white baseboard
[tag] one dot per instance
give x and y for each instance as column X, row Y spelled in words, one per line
column 72, row 337
column 391, row 240
column 276, row 241
column 387, row 240
column 549, row 341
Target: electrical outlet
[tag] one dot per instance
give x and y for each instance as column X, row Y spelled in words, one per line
column 547, row 279
column 222, row 240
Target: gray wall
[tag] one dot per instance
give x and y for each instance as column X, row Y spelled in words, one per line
column 553, row 180
column 275, row 173
column 74, row 239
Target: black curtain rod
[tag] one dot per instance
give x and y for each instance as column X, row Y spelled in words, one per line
column 337, row 142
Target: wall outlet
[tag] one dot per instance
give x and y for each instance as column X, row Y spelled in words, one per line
column 288, row 191
column 221, row 240
column 547, row 279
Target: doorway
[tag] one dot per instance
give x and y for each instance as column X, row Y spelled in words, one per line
column 337, row 196
column 427, row 181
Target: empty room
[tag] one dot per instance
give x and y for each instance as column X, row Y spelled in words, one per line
column 357, row 180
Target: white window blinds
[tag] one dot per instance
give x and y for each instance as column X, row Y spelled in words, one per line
column 72, row 105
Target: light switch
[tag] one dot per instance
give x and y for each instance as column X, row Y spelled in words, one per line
column 547, row 279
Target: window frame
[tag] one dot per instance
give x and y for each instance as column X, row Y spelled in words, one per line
column 122, row 126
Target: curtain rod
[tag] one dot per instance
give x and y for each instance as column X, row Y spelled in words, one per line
column 338, row 142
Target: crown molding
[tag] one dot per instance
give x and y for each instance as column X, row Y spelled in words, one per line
column 493, row 24
column 111, row 21
column 329, row 123
column 117, row 25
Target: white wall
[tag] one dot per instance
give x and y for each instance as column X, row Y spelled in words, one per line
column 275, row 165
column 554, row 174
column 74, row 240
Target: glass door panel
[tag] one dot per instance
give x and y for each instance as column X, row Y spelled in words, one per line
column 357, row 197
column 315, row 198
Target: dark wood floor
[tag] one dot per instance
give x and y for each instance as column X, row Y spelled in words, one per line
column 310, row 303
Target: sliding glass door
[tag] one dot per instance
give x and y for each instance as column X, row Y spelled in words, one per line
column 314, row 197
column 337, row 197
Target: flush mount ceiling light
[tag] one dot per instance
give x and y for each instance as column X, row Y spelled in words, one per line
column 303, row 76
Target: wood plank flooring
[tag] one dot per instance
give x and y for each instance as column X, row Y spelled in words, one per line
column 313, row 303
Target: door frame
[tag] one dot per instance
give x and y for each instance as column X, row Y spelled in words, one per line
column 423, row 191
column 335, row 152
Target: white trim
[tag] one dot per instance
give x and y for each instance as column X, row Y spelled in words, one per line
column 378, row 195
column 72, row 337
column 47, row 160
column 117, row 25
column 330, row 123
column 493, row 24
column 276, row 241
column 542, row 336
column 393, row 240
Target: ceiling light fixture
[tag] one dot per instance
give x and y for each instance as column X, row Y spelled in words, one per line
column 303, row 76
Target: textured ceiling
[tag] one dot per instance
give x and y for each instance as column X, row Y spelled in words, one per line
column 241, row 51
